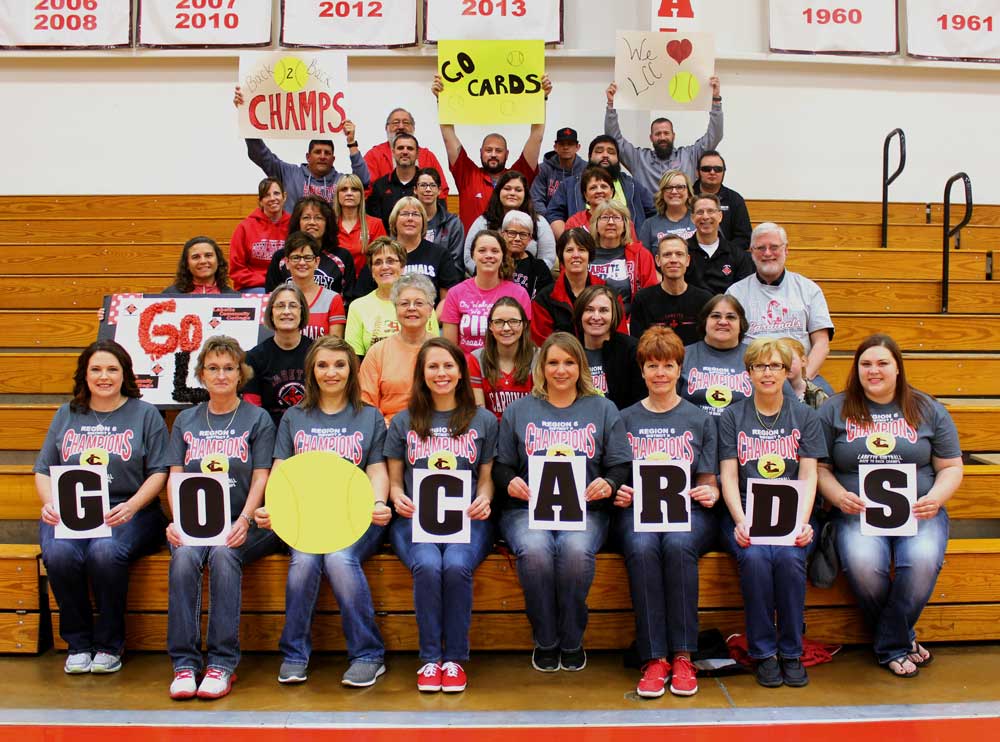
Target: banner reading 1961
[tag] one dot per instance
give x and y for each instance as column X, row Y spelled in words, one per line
column 66, row 24
column 967, row 30
column 204, row 23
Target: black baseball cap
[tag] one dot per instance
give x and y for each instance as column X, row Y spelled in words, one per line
column 567, row 135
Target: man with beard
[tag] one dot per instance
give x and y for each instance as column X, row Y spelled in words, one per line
column 380, row 160
column 568, row 200
column 475, row 183
column 649, row 164
column 399, row 182
column 735, row 217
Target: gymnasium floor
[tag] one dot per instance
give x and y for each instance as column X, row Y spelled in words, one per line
column 958, row 697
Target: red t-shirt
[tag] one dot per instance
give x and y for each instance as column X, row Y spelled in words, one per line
column 351, row 241
column 379, row 161
column 498, row 397
column 475, row 187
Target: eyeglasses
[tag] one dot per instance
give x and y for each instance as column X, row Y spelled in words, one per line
column 610, row 218
column 385, row 261
column 426, row 186
column 759, row 368
column 681, row 187
column 227, row 370
column 409, row 214
column 400, row 122
column 283, row 305
column 768, row 248
column 499, row 324
column 728, row 316
column 512, row 235
column 415, row 304
column 712, row 168
column 301, row 258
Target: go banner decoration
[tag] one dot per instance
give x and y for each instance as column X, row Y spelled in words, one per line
column 66, row 24
column 678, row 15
column 204, row 23
column 80, row 497
column 664, row 71
column 292, row 95
column 200, row 503
column 441, row 499
column 835, row 26
column 494, row 19
column 775, row 511
column 889, row 492
column 965, row 30
column 163, row 334
column 557, row 485
column 349, row 24
column 491, row 82
column 661, row 501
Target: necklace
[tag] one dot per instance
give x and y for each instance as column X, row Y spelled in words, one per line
column 773, row 423
column 99, row 420
column 226, row 426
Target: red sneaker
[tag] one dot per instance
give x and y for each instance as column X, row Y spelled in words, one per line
column 454, row 679
column 684, row 681
column 654, row 679
column 429, row 677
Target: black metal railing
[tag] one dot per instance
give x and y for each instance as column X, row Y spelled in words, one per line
column 948, row 231
column 887, row 179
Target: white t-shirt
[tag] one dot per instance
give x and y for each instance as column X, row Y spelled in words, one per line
column 792, row 308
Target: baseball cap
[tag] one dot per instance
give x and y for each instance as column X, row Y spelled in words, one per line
column 567, row 135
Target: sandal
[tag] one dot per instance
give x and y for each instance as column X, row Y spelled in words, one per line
column 897, row 667
column 920, row 655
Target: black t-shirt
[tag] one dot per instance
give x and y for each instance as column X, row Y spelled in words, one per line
column 278, row 376
column 654, row 307
column 427, row 258
column 532, row 275
column 335, row 271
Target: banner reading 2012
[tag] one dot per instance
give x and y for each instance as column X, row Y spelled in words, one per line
column 349, row 24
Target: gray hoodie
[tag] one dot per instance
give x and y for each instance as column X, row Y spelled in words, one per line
column 550, row 175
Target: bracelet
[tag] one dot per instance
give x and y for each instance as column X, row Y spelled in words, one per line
column 716, row 98
column 248, row 519
column 351, row 145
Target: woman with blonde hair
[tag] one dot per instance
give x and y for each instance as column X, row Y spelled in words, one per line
column 673, row 200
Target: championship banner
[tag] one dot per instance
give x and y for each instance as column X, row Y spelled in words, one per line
column 66, row 24
column 962, row 30
column 201, row 507
column 375, row 24
column 494, row 19
column 491, row 82
column 889, row 492
column 834, row 27
column 163, row 335
column 204, row 23
column 292, row 95
column 678, row 15
column 557, row 484
column 663, row 71
column 441, row 499
column 80, row 497
column 661, row 501
column 775, row 511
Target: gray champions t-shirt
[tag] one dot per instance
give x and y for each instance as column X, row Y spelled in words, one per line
column 355, row 435
column 131, row 442
column 684, row 433
column 888, row 439
column 714, row 379
column 214, row 444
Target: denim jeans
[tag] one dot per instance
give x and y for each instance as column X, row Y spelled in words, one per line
column 892, row 605
column 663, row 580
column 772, row 578
column 556, row 569
column 350, row 587
column 225, row 582
column 78, row 566
column 442, row 587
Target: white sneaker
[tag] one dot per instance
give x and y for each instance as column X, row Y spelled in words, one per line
column 216, row 683
column 78, row 663
column 184, row 685
column 104, row 663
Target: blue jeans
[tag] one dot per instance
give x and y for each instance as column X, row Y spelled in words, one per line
column 892, row 605
column 556, row 569
column 663, row 579
column 225, row 581
column 442, row 587
column 772, row 578
column 350, row 587
column 78, row 566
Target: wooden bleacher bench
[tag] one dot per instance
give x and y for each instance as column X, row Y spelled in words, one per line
column 23, row 626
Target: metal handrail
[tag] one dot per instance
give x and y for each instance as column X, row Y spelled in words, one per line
column 949, row 231
column 887, row 179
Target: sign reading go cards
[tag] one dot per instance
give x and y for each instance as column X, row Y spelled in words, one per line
column 494, row 19
column 349, row 25
column 66, row 24
column 292, row 95
column 204, row 23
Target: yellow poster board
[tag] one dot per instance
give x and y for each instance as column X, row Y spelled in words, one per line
column 491, row 81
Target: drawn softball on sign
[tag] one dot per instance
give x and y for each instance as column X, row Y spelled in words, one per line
column 663, row 71
column 290, row 74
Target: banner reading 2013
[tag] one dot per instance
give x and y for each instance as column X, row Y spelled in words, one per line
column 66, row 24
column 494, row 19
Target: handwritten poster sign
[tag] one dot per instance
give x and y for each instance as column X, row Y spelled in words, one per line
column 491, row 82
column 349, row 25
column 834, row 27
column 663, row 71
column 292, row 95
column 204, row 23
column 66, row 24
column 163, row 335
column 494, row 19
column 967, row 30
column 678, row 15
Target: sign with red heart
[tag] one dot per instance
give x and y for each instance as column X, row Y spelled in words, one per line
column 664, row 71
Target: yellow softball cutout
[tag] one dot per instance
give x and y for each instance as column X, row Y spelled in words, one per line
column 94, row 457
column 560, row 449
column 684, row 87
column 770, row 466
column 658, row 456
column 880, row 444
column 442, row 460
column 291, row 74
column 215, row 463
column 719, row 396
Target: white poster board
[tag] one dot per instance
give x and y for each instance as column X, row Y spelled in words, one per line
column 834, row 26
column 204, row 23
column 163, row 335
column 349, row 25
column 292, row 95
column 661, row 500
column 442, row 499
column 66, row 24
column 966, row 30
column 678, row 15
column 664, row 71
column 494, row 19
column 889, row 492
column 775, row 511
column 201, row 508
column 557, row 485
column 80, row 497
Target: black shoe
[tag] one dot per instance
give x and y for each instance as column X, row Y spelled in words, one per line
column 572, row 661
column 794, row 673
column 769, row 673
column 545, row 660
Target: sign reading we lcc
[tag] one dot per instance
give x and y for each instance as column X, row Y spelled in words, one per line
column 676, row 15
